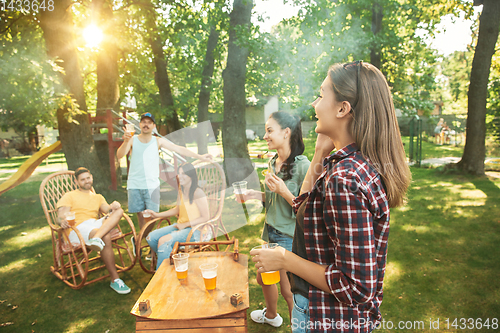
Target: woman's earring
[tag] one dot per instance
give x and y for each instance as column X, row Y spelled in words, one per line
column 285, row 136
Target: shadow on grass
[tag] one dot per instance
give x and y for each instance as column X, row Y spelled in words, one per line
column 442, row 250
column 442, row 262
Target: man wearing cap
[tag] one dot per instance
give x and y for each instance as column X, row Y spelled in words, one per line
column 143, row 183
column 95, row 232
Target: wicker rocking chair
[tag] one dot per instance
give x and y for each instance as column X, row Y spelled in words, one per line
column 212, row 181
column 74, row 263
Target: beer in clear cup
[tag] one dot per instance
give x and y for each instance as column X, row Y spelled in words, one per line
column 240, row 189
column 272, row 277
column 147, row 216
column 130, row 128
column 181, row 265
column 209, row 273
column 70, row 217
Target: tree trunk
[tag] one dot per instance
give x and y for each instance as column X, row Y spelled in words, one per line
column 76, row 138
column 161, row 75
column 205, row 89
column 236, row 159
column 108, row 91
column 163, row 83
column 474, row 152
column 377, row 15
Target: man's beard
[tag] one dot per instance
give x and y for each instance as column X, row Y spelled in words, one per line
column 86, row 187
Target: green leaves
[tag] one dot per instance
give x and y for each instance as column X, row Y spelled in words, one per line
column 29, row 79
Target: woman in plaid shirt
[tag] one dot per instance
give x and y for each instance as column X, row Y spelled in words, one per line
column 338, row 259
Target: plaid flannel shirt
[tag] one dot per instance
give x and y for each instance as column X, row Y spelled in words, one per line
column 346, row 226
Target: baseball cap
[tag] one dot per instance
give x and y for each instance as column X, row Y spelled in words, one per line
column 148, row 115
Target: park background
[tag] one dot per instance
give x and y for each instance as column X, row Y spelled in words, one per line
column 190, row 61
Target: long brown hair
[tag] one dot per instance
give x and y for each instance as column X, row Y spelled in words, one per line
column 286, row 120
column 190, row 171
column 375, row 126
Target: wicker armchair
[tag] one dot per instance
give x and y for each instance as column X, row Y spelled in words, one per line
column 75, row 264
column 212, row 181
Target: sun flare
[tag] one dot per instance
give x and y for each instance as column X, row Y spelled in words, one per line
column 92, row 35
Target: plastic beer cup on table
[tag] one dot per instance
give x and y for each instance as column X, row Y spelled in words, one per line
column 240, row 189
column 181, row 265
column 272, row 277
column 130, row 129
column 209, row 274
column 70, row 217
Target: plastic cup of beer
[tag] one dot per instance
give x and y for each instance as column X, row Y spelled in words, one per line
column 240, row 188
column 209, row 273
column 272, row 277
column 130, row 128
column 181, row 265
column 70, row 217
column 147, row 216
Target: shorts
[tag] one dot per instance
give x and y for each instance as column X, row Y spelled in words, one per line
column 85, row 228
column 139, row 200
column 276, row 236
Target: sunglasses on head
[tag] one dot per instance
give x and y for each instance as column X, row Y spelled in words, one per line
column 357, row 64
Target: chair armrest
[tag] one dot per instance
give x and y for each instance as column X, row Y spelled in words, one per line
column 65, row 239
column 130, row 223
column 200, row 225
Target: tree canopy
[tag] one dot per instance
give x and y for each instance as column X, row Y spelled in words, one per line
column 161, row 56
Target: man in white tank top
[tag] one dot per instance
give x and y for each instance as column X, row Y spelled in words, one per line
column 143, row 183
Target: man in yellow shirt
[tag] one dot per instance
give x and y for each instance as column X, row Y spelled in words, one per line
column 87, row 205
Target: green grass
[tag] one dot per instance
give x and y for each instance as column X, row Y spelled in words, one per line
column 431, row 150
column 442, row 261
column 15, row 161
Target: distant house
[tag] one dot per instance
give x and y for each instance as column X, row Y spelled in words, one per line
column 257, row 114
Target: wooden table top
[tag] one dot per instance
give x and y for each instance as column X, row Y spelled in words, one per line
column 174, row 299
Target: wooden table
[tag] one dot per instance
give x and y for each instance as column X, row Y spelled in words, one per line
column 186, row 306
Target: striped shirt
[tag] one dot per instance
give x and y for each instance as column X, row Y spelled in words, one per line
column 346, row 226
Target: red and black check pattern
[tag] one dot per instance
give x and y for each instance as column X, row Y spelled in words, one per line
column 346, row 226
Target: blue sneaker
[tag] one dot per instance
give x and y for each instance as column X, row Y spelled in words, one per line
column 119, row 286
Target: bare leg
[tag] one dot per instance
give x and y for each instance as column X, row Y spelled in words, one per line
column 108, row 224
column 107, row 254
column 286, row 291
column 271, row 296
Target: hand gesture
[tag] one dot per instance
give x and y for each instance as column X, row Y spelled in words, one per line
column 275, row 183
column 243, row 197
column 151, row 212
column 126, row 134
column 115, row 205
column 324, row 145
column 268, row 259
column 64, row 223
column 181, row 226
column 206, row 158
column 63, row 219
